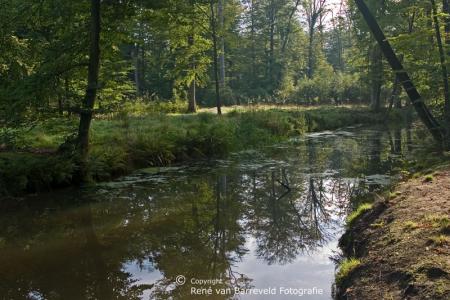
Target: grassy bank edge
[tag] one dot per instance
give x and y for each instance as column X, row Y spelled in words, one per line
column 368, row 215
column 124, row 144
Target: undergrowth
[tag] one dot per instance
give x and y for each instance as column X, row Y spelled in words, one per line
column 136, row 139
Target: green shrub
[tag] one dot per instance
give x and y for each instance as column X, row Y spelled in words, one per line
column 33, row 172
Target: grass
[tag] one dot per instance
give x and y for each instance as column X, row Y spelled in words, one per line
column 440, row 240
column 377, row 225
column 351, row 218
column 138, row 139
column 345, row 268
column 29, row 172
column 411, row 246
column 441, row 222
column 394, row 194
column 411, row 225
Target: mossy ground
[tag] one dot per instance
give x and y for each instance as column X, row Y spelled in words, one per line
column 408, row 256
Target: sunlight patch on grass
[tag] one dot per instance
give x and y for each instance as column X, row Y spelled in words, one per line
column 346, row 267
column 357, row 213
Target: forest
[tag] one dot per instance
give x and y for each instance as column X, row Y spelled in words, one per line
column 223, row 119
column 67, row 63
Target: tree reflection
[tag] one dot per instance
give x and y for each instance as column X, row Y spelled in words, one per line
column 198, row 226
column 288, row 220
column 210, row 246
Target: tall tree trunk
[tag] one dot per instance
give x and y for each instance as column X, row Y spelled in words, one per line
column 60, row 105
column 446, row 11
column 220, row 16
column 91, row 92
column 310, row 51
column 252, row 34
column 289, row 25
column 137, row 76
column 395, row 100
column 376, row 77
column 429, row 23
column 67, row 94
column 192, row 102
column 443, row 63
column 271, row 42
column 437, row 131
column 215, row 63
column 338, row 30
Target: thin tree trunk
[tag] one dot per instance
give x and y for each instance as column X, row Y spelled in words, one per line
column 271, row 42
column 220, row 15
column 91, row 92
column 376, row 76
column 444, row 72
column 288, row 29
column 446, row 11
column 395, row 100
column 192, row 97
column 437, row 131
column 252, row 34
column 338, row 30
column 60, row 105
column 310, row 51
column 136, row 70
column 215, row 63
column 67, row 94
column 192, row 103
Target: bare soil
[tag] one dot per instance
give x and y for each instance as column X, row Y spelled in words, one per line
column 403, row 243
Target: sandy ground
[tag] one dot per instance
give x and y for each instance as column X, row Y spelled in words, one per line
column 403, row 243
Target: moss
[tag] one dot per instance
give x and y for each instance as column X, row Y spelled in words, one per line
column 357, row 213
column 428, row 178
column 345, row 268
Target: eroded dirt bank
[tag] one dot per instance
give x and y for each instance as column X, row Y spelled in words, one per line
column 402, row 245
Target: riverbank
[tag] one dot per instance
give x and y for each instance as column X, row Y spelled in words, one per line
column 125, row 143
column 399, row 246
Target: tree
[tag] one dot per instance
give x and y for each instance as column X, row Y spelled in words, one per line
column 314, row 10
column 443, row 62
column 215, row 58
column 192, row 102
column 220, row 15
column 87, row 107
column 437, row 131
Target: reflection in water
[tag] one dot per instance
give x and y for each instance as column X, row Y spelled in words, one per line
column 257, row 220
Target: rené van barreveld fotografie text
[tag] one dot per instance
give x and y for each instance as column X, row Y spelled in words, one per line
column 213, row 287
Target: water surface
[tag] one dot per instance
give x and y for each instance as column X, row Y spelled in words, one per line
column 267, row 219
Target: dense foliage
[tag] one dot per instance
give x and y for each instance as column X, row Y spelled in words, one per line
column 113, row 60
column 283, row 51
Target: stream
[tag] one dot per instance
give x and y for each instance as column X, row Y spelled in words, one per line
column 257, row 225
